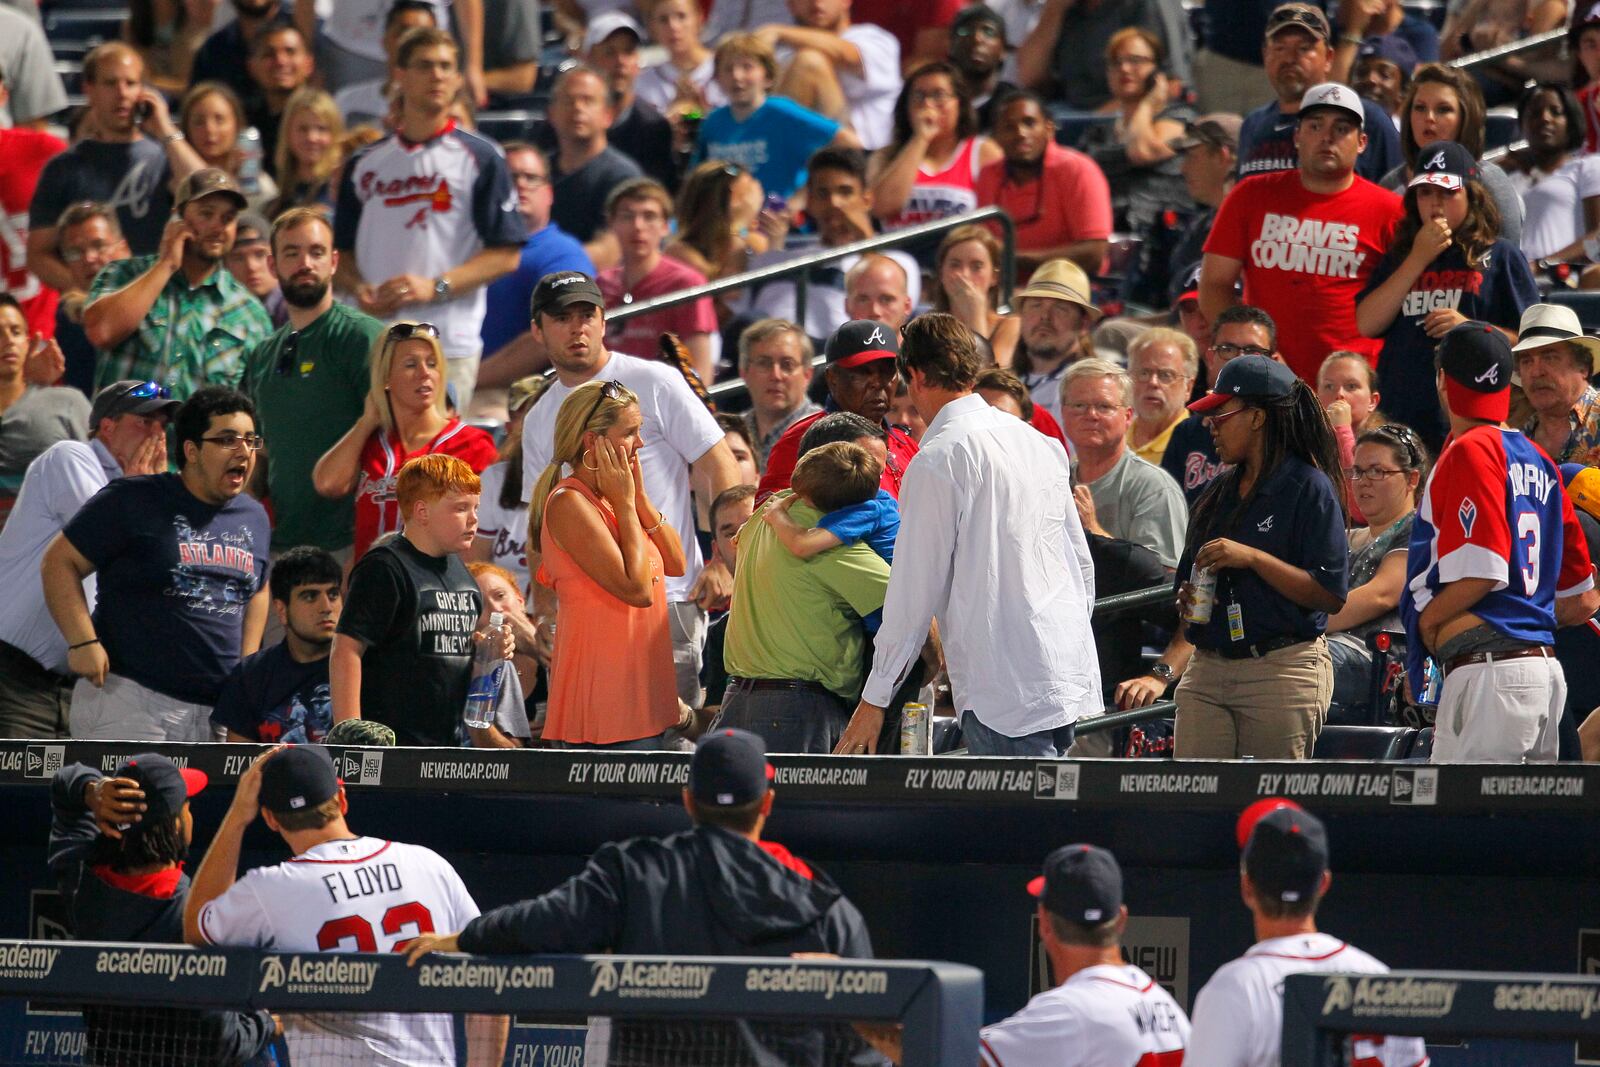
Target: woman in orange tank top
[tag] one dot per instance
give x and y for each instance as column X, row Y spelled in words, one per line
column 605, row 552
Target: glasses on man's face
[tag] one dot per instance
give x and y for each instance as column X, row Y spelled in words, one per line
column 531, row 180
column 1102, row 410
column 1376, row 474
column 232, row 442
column 405, row 331
column 78, row 255
column 1227, row 351
column 1155, row 374
column 781, row 366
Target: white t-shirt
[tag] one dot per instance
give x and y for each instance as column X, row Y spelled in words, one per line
column 872, row 93
column 359, row 895
column 357, row 25
column 1102, row 1016
column 505, row 528
column 1238, row 1016
column 1553, row 204
column 657, row 85
column 677, row 431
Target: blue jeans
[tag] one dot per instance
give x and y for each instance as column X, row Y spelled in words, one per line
column 1352, row 682
column 982, row 741
column 787, row 720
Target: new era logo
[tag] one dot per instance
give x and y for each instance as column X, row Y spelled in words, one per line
column 1055, row 781
column 361, row 768
column 1415, row 787
column 43, row 761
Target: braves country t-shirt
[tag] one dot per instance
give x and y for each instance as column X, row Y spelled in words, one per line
column 1306, row 258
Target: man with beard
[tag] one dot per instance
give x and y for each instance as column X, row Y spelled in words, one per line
column 1058, row 312
column 179, row 317
column 309, row 383
column 978, row 50
column 182, row 566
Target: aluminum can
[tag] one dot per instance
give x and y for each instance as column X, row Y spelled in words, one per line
column 916, row 730
column 1204, row 580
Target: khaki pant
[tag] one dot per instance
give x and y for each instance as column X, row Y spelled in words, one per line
column 124, row 710
column 1226, row 84
column 1503, row 711
column 462, row 372
column 1270, row 707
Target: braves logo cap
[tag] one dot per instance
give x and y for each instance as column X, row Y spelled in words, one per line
column 1081, row 883
column 862, row 341
column 299, row 777
column 1445, row 164
column 1334, row 95
column 1287, row 855
column 563, row 288
column 1249, row 377
column 729, row 768
column 1477, row 364
column 166, row 785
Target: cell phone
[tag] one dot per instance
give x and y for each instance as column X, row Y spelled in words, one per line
column 141, row 112
column 1150, row 82
column 775, row 204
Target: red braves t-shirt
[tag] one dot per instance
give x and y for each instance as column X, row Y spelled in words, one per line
column 1306, row 259
column 641, row 335
column 25, row 153
column 377, row 509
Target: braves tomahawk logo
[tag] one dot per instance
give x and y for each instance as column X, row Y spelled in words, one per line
column 1436, row 162
column 1491, row 375
column 1468, row 514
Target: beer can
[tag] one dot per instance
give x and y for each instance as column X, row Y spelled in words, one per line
column 1204, row 581
column 916, row 730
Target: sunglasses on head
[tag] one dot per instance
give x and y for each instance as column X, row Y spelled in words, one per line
column 1406, row 438
column 608, row 391
column 405, row 331
column 148, row 391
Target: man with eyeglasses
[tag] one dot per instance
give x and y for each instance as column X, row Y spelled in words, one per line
column 89, row 237
column 1163, row 364
column 181, row 565
column 309, row 382
column 775, row 362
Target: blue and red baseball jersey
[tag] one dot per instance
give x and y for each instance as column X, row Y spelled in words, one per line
column 1495, row 508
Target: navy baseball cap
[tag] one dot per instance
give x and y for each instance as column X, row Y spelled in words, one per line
column 1477, row 363
column 1287, row 855
column 729, row 768
column 1445, row 164
column 1248, row 377
column 862, row 341
column 132, row 397
column 1391, row 48
column 1080, row 883
column 563, row 288
column 978, row 13
column 167, row 787
column 299, row 777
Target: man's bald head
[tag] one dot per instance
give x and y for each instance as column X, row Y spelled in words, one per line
column 878, row 288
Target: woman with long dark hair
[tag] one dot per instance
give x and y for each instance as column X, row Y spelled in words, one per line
column 1559, row 183
column 929, row 170
column 967, row 284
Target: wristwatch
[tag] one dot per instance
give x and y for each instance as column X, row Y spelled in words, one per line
column 441, row 288
column 1163, row 672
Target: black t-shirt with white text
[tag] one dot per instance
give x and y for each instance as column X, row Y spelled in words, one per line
column 416, row 614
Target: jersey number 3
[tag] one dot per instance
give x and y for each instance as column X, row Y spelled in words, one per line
column 1528, row 550
column 356, row 928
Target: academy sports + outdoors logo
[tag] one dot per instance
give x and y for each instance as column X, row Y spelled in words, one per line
column 333, row 974
column 657, row 980
column 1386, row 997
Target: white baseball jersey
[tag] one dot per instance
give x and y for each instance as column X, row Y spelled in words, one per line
column 1103, row 1016
column 358, row 895
column 1238, row 1016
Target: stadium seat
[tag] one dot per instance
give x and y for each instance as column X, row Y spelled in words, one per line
column 88, row 24
column 1500, row 127
column 1585, row 302
column 1072, row 126
column 1364, row 742
column 1422, row 746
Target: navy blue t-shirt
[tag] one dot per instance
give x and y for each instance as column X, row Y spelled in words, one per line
column 273, row 699
column 133, row 177
column 1496, row 293
column 1266, row 142
column 1191, row 459
column 174, row 577
column 1293, row 516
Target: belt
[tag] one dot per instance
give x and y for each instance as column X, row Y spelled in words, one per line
column 1260, row 648
column 19, row 662
column 1537, row 651
column 756, row 685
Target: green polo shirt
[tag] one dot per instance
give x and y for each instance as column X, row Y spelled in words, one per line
column 303, row 411
column 794, row 618
column 192, row 335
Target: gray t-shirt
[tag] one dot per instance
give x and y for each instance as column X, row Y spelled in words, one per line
column 510, row 33
column 1139, row 502
column 29, row 69
column 1494, row 179
column 39, row 418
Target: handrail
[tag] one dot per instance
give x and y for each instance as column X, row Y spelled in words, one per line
column 1139, row 598
column 1490, row 56
column 1111, row 720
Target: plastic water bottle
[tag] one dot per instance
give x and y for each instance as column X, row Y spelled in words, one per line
column 250, row 160
column 487, row 671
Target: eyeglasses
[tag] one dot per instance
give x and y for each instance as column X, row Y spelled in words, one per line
column 1098, row 409
column 608, row 391
column 232, row 442
column 405, row 331
column 932, row 96
column 1227, row 351
column 533, row 181
column 1376, row 474
column 1134, row 62
column 286, row 358
column 1156, row 374
column 77, row 255
column 1219, row 419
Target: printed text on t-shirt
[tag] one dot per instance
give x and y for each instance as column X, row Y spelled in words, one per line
column 450, row 625
column 1312, row 246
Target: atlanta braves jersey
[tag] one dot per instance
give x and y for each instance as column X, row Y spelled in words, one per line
column 1102, row 1016
column 424, row 208
column 357, row 895
column 1495, row 508
column 1238, row 1016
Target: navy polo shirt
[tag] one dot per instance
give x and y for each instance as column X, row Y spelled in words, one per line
column 1295, row 517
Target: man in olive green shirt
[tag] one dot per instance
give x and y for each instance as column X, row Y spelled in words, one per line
column 795, row 650
column 179, row 318
column 309, row 381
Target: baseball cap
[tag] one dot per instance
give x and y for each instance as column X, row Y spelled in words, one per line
column 729, row 768
column 1444, row 164
column 1287, row 855
column 1477, row 364
column 978, row 13
column 1548, row 324
column 605, row 24
column 563, row 288
column 260, row 230
column 1219, row 129
column 526, row 390
column 1391, row 48
column 204, row 182
column 131, row 397
column 1254, row 814
column 1080, row 883
column 1062, row 279
column 1187, row 285
column 299, row 777
column 861, row 341
column 1251, row 377
column 1332, row 94
column 166, row 785
column 1298, row 16
column 1589, row 15
column 1583, row 486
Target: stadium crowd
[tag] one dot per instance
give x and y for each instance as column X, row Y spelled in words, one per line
column 302, row 377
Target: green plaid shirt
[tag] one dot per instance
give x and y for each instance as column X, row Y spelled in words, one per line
column 191, row 337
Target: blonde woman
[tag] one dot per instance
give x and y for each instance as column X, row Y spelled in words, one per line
column 606, row 550
column 308, row 152
column 406, row 415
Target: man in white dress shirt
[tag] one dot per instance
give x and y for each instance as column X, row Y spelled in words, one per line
column 991, row 546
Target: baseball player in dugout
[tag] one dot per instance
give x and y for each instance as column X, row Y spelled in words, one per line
column 1102, row 1012
column 1283, row 876
column 340, row 892
column 1497, row 562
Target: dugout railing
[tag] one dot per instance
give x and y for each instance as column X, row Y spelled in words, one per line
column 937, row 1006
column 1322, row 1011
